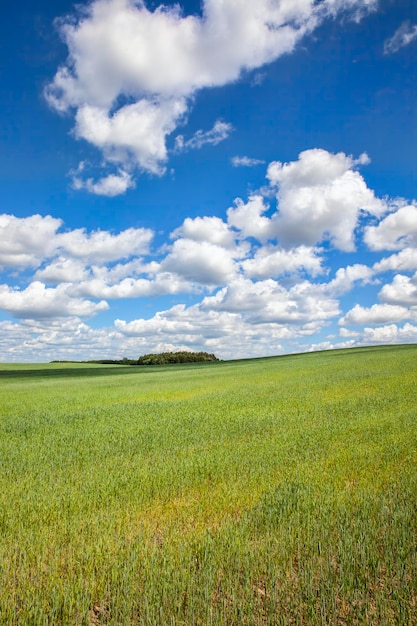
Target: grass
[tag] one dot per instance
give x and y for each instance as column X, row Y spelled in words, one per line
column 260, row 492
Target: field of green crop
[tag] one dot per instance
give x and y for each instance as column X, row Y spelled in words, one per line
column 260, row 492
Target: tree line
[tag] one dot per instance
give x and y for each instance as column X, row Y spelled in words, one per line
column 161, row 358
column 165, row 358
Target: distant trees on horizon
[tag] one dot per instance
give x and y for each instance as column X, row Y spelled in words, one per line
column 161, row 358
column 165, row 358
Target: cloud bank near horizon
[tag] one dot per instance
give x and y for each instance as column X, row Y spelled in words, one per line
column 258, row 278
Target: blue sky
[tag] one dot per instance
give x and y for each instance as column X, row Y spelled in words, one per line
column 228, row 176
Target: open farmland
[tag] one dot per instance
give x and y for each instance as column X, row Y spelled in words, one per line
column 268, row 491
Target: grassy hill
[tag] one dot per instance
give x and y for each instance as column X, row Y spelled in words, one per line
column 270, row 491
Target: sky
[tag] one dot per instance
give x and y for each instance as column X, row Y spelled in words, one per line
column 230, row 176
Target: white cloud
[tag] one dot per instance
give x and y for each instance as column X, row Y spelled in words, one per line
column 245, row 161
column 37, row 301
column 376, row 314
column 346, row 277
column 402, row 290
column 320, row 196
column 185, row 324
column 390, row 334
column 177, row 328
column 102, row 246
column 219, row 132
column 134, row 134
column 254, row 296
column 162, row 284
column 347, row 332
column 225, row 333
column 398, row 302
column 268, row 301
column 29, row 241
column 62, row 270
column 261, row 315
column 398, row 230
column 209, row 229
column 118, row 46
column 403, row 36
column 271, row 262
column 200, row 262
column 319, row 347
column 44, row 340
column 115, row 273
column 111, row 185
column 25, row 241
column 249, row 219
column 131, row 73
column 404, row 260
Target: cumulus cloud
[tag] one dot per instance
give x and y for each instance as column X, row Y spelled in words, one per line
column 32, row 340
column 398, row 230
column 162, row 284
column 174, row 329
column 102, row 246
column 390, row 334
column 30, row 240
column 268, row 301
column 402, row 290
column 404, row 260
column 37, row 301
column 376, row 314
column 248, row 283
column 62, row 270
column 133, row 135
column 347, row 277
column 382, row 335
column 227, row 333
column 66, row 260
column 26, row 241
column 321, row 196
column 131, row 73
column 271, row 262
column 181, row 321
column 403, row 36
column 111, row 185
column 209, row 229
column 200, row 262
column 248, row 218
column 112, row 274
column 398, row 302
column 348, row 332
column 194, row 328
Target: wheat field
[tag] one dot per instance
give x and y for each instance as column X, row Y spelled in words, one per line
column 260, row 492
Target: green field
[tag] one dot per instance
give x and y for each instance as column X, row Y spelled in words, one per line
column 271, row 491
